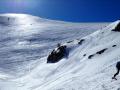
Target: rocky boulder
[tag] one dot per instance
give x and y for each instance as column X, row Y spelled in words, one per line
column 57, row 54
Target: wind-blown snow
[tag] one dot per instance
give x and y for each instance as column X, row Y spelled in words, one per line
column 26, row 41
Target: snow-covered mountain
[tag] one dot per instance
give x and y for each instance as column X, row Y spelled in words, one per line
column 26, row 41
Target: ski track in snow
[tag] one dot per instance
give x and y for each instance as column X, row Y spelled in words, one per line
column 26, row 41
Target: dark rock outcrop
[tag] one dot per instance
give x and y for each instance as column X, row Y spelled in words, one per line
column 114, row 45
column 90, row 57
column 57, row 54
column 81, row 41
column 118, row 70
column 84, row 55
column 101, row 51
column 117, row 28
column 118, row 65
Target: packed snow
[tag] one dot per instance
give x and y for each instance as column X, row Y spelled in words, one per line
column 26, row 41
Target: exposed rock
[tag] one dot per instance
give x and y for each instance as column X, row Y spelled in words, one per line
column 118, row 65
column 81, row 41
column 114, row 45
column 117, row 28
column 89, row 57
column 101, row 51
column 57, row 54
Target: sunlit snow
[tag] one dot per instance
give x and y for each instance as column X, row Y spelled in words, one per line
column 26, row 41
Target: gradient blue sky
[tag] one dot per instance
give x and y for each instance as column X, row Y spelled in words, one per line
column 66, row 10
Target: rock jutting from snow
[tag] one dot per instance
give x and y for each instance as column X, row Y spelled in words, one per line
column 101, row 51
column 114, row 45
column 57, row 54
column 117, row 28
column 81, row 41
column 90, row 56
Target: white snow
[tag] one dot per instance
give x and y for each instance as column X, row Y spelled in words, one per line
column 24, row 50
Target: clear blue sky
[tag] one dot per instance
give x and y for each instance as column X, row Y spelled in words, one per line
column 66, row 10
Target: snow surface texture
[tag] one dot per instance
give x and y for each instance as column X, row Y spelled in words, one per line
column 26, row 41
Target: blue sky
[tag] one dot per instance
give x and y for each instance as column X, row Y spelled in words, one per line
column 66, row 10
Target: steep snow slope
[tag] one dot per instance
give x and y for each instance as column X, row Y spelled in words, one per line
column 77, row 72
column 24, row 39
column 81, row 73
column 25, row 42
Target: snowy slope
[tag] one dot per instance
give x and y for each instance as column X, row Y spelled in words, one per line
column 24, row 39
column 82, row 73
column 25, row 42
column 78, row 72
